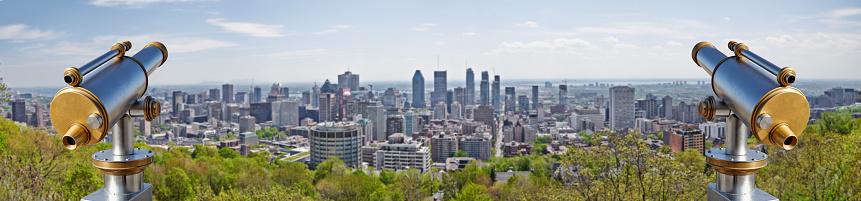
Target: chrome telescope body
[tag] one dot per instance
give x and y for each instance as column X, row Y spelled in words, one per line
column 754, row 96
column 761, row 98
column 103, row 94
column 102, row 91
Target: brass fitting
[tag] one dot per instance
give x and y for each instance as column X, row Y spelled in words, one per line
column 783, row 136
column 697, row 49
column 160, row 47
column 72, row 76
column 738, row 48
column 77, row 135
column 708, row 108
column 786, row 76
column 148, row 108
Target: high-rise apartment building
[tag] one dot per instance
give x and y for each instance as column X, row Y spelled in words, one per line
column 19, row 109
column 522, row 103
column 178, row 98
column 443, row 146
column 563, row 94
column 495, row 90
column 667, row 112
column 403, row 156
column 335, row 139
column 394, row 124
column 328, row 108
column 418, row 90
column 214, row 94
column 621, row 107
column 476, row 146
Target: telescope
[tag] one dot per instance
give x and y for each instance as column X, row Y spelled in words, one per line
column 754, row 96
column 106, row 93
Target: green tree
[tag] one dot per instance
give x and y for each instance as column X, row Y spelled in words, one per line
column 228, row 153
column 460, row 153
column 82, row 181
column 178, row 185
column 473, row 191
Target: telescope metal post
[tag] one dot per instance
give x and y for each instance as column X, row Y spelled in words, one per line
column 735, row 187
column 123, row 187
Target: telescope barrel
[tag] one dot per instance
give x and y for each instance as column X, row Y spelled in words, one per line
column 785, row 75
column 774, row 112
column 99, row 101
column 73, row 76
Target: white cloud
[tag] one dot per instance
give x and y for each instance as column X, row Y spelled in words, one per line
column 609, row 39
column 299, row 53
column 133, row 3
column 420, row 29
column 846, row 12
column 726, row 19
column 429, row 25
column 249, row 29
column 625, row 46
column 439, row 43
column 677, row 30
column 469, row 34
column 335, row 29
column 565, row 45
column 22, row 32
column 173, row 44
column 529, row 24
column 674, row 43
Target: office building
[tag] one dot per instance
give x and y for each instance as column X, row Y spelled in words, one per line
column 563, row 94
column 495, row 91
column 327, row 107
column 335, row 139
column 227, row 93
column 394, row 124
column 470, row 88
column 456, row 111
column 685, row 137
column 19, row 110
column 377, row 115
column 315, row 96
column 214, row 95
column 247, row 123
column 418, row 90
column 535, row 97
column 621, row 107
column 439, row 111
column 349, row 80
column 485, row 88
column 440, row 86
column 178, row 98
column 392, row 98
column 523, row 103
column 667, row 105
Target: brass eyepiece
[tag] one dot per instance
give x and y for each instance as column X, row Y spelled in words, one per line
column 697, row 49
column 72, row 76
column 160, row 47
column 786, row 76
column 77, row 135
column 708, row 108
column 738, row 48
column 784, row 137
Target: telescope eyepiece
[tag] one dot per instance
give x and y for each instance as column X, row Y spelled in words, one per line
column 76, row 136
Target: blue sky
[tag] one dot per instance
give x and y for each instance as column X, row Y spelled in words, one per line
column 306, row 41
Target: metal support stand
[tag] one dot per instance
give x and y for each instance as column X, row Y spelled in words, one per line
column 736, row 166
column 123, row 167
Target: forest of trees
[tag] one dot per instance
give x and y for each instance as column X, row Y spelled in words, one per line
column 825, row 165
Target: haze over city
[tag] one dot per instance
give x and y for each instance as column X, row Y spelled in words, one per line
column 285, row 41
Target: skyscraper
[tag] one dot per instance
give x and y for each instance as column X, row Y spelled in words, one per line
column 439, row 87
column 315, row 96
column 214, row 94
column 510, row 99
column 621, row 107
column 495, row 92
column 227, row 93
column 178, row 98
column 392, row 98
column 535, row 97
column 668, row 107
column 470, row 88
column 327, row 107
column 563, row 95
column 349, row 80
column 522, row 103
column 485, row 88
column 19, row 109
column 258, row 94
column 418, row 90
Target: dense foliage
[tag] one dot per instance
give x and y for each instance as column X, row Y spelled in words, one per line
column 824, row 165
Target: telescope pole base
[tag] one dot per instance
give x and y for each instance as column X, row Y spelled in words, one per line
column 101, row 195
column 715, row 195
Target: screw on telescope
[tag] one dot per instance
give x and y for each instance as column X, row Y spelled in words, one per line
column 764, row 121
column 94, row 121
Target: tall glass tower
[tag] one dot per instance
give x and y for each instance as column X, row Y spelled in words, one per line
column 418, row 90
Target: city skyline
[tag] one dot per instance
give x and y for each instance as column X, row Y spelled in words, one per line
column 212, row 41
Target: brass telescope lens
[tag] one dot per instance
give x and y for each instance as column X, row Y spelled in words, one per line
column 783, row 136
column 76, row 135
